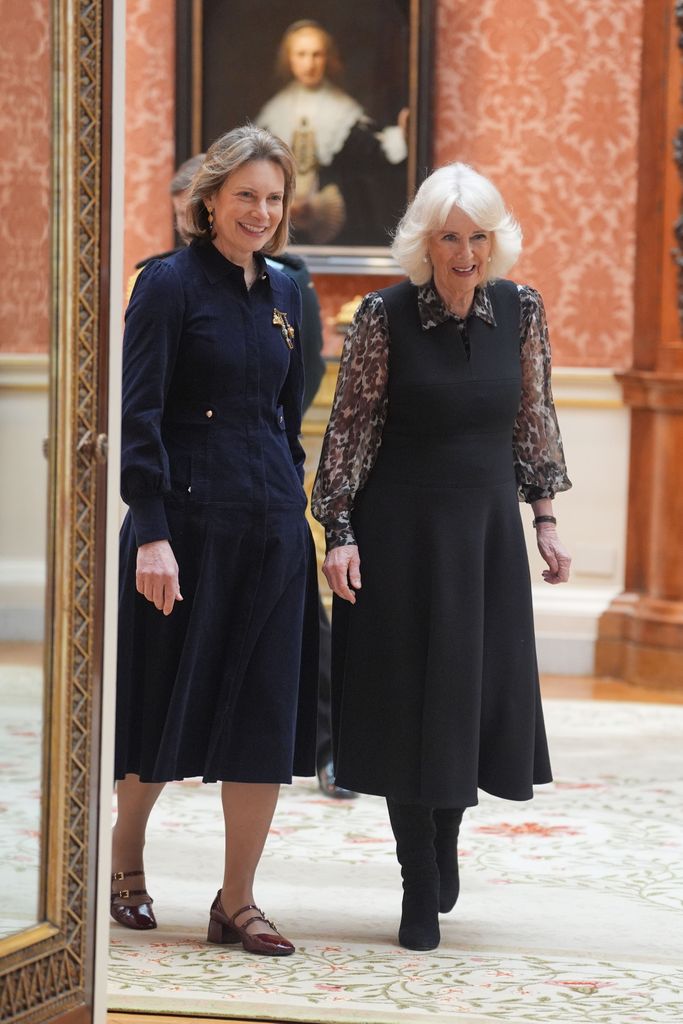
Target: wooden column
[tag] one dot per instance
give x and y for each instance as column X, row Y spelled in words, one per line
column 640, row 637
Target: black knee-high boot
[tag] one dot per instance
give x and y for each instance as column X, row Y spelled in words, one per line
column 447, row 824
column 413, row 828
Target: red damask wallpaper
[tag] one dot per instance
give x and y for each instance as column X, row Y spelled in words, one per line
column 539, row 94
column 542, row 96
column 150, row 113
column 24, row 176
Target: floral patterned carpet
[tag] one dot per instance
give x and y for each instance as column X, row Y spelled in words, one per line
column 570, row 908
column 21, row 709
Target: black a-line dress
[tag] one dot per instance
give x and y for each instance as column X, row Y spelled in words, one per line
column 435, row 681
column 225, row 686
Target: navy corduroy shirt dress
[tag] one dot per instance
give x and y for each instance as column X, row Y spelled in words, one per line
column 225, row 686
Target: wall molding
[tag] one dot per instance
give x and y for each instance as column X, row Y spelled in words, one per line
column 593, row 388
column 24, row 371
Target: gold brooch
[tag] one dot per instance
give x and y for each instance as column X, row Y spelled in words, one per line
column 280, row 320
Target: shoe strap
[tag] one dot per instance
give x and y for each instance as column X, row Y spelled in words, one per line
column 125, row 894
column 119, row 875
column 249, row 906
column 257, row 917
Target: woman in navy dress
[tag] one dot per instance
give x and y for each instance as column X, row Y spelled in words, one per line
column 217, row 582
column 442, row 421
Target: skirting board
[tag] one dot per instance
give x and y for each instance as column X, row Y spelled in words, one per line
column 567, row 625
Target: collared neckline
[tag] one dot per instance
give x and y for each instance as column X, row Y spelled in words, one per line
column 433, row 310
column 217, row 266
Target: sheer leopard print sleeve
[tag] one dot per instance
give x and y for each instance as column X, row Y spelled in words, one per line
column 354, row 433
column 539, row 457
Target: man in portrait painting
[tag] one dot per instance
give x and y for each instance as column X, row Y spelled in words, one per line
column 351, row 181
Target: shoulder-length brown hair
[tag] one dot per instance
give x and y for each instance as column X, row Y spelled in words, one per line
column 224, row 156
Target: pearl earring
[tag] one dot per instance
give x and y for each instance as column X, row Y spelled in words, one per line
column 425, row 258
column 489, row 259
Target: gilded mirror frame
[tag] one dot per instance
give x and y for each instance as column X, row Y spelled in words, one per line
column 46, row 971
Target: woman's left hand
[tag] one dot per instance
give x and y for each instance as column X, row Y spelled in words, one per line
column 553, row 553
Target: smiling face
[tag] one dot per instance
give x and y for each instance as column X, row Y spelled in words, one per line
column 307, row 49
column 247, row 209
column 459, row 252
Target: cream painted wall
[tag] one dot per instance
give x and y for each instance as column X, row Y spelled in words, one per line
column 23, row 512
column 591, row 519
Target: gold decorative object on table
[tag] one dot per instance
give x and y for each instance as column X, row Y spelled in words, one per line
column 346, row 313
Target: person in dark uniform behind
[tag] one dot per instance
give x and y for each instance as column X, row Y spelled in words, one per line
column 180, row 190
column 314, row 369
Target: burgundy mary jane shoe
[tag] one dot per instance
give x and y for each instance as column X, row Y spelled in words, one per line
column 140, row 917
column 223, row 930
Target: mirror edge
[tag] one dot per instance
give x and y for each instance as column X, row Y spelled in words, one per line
column 46, row 971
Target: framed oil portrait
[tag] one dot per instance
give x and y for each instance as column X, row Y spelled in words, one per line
column 347, row 86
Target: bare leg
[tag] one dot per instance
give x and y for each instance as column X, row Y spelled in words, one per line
column 248, row 809
column 135, row 801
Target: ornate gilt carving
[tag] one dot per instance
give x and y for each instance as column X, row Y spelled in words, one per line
column 51, row 976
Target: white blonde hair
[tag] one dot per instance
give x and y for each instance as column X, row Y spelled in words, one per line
column 455, row 185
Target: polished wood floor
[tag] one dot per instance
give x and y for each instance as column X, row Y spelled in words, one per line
column 604, row 688
column 151, row 1018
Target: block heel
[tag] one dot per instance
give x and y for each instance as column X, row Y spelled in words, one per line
column 221, row 933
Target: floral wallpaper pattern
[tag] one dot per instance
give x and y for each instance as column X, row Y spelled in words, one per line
column 543, row 97
column 24, row 175
column 538, row 94
column 150, row 128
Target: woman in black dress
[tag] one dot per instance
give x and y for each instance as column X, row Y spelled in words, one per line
column 443, row 420
column 217, row 582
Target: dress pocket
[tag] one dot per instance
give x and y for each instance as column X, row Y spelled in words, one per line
column 181, row 473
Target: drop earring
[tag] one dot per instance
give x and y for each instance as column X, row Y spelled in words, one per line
column 210, row 212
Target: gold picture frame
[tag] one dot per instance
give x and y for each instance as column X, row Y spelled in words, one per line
column 387, row 48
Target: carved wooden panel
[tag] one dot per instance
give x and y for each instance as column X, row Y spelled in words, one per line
column 640, row 636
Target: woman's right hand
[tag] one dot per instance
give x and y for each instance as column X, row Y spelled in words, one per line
column 341, row 569
column 156, row 575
